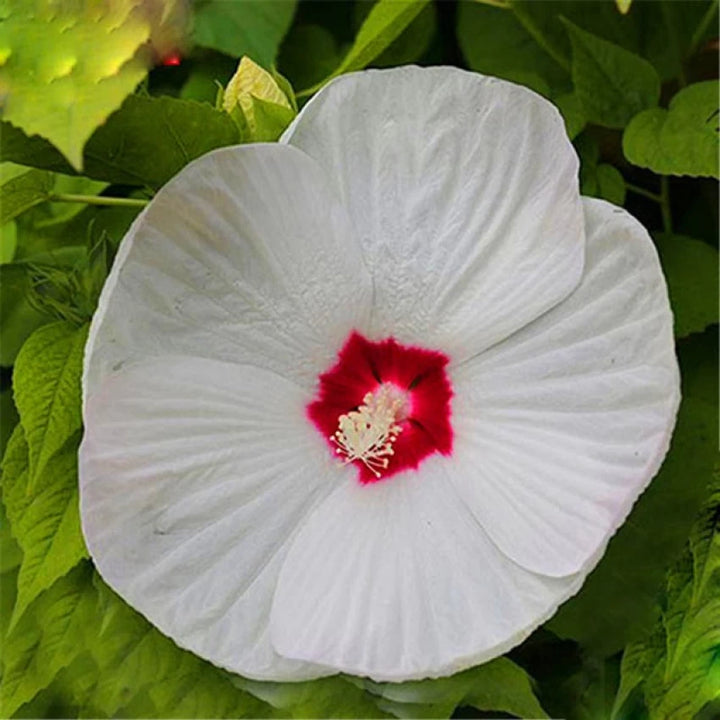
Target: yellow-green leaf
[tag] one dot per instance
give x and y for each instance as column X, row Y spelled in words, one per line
column 682, row 140
column 23, row 192
column 65, row 66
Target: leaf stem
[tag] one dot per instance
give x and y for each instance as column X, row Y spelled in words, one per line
column 707, row 18
column 645, row 193
column 97, row 200
column 665, row 203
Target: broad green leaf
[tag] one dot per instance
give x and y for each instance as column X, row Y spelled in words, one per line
column 611, row 186
column 678, row 664
column 18, row 319
column 8, row 418
column 611, row 83
column 46, row 524
column 690, row 267
column 243, row 27
column 46, row 383
column 411, row 44
column 10, row 552
column 384, row 24
column 8, row 242
column 309, row 54
column 338, row 697
column 682, row 140
column 572, row 112
column 23, row 192
column 499, row 685
column 46, row 639
column 146, row 142
column 67, row 66
column 495, row 42
column 619, row 595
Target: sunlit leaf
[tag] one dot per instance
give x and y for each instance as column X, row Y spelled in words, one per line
column 67, row 66
column 46, row 383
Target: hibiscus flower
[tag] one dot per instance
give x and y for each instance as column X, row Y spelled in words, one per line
column 373, row 399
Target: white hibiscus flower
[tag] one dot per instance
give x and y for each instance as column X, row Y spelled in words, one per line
column 374, row 399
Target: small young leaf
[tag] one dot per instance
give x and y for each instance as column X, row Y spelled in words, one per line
column 690, row 267
column 612, row 83
column 23, row 192
column 682, row 140
column 246, row 27
column 46, row 383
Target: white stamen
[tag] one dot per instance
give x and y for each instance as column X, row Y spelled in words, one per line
column 368, row 433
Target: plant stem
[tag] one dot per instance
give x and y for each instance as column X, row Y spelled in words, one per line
column 645, row 193
column 665, row 203
column 97, row 200
column 707, row 18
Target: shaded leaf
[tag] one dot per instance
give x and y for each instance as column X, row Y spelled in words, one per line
column 611, row 83
column 18, row 318
column 495, row 42
column 46, row 383
column 243, row 27
column 620, row 594
column 23, row 192
column 146, row 142
column 678, row 665
column 682, row 140
column 690, row 267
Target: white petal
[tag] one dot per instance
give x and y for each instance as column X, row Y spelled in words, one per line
column 563, row 425
column 194, row 475
column 463, row 190
column 246, row 256
column 397, row 580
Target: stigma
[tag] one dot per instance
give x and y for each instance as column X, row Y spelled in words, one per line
column 368, row 433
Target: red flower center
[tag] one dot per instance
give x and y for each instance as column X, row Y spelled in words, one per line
column 384, row 406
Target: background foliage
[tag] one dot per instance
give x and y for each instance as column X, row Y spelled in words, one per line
column 103, row 102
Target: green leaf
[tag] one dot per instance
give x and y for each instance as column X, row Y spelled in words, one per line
column 8, row 418
column 678, row 664
column 23, row 192
column 611, row 186
column 46, row 383
column 611, row 83
column 682, row 140
column 146, row 142
column 384, row 24
column 46, row 524
column 66, row 67
column 339, row 697
column 690, row 267
column 495, row 42
column 411, row 44
column 45, row 640
column 18, row 318
column 619, row 595
column 572, row 112
column 499, row 685
column 243, row 27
